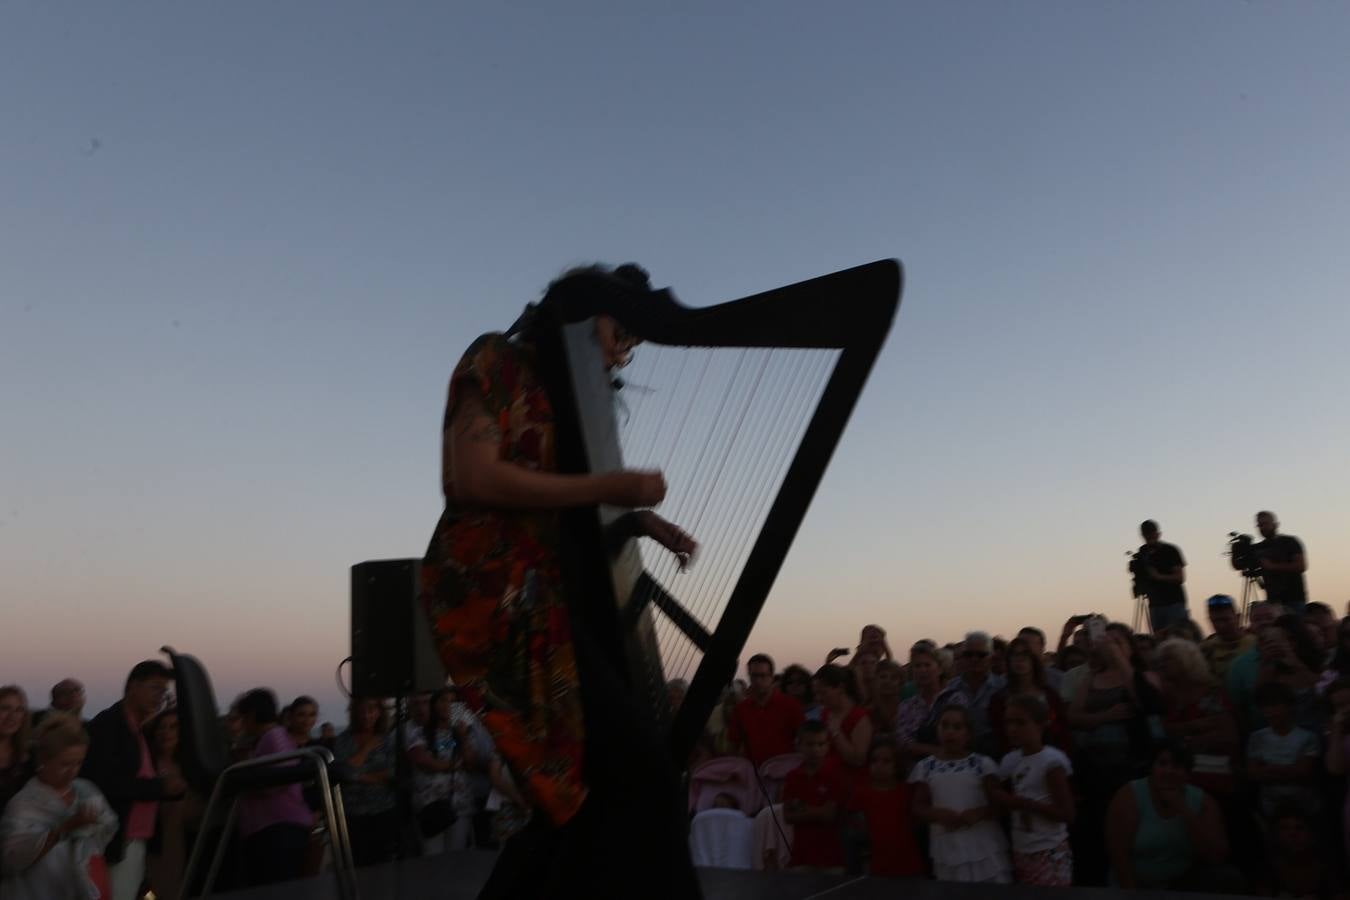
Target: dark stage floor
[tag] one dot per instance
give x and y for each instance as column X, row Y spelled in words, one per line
column 457, row 876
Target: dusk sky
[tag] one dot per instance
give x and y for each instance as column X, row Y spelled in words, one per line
column 242, row 246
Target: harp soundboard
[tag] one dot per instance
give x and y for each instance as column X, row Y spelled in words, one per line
column 741, row 404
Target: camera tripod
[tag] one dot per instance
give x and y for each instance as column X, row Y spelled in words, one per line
column 1251, row 591
column 1142, row 615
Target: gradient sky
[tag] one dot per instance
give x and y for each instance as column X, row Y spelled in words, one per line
column 242, row 245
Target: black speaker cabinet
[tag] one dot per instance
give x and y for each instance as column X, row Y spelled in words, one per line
column 392, row 651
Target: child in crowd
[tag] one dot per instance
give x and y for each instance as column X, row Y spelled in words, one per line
column 884, row 803
column 1041, row 801
column 1282, row 758
column 1300, row 867
column 951, row 794
column 812, row 794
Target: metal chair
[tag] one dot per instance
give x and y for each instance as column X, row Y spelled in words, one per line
column 206, row 767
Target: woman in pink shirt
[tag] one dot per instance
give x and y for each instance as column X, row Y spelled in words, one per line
column 275, row 822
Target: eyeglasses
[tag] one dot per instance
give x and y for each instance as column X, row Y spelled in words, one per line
column 974, row 654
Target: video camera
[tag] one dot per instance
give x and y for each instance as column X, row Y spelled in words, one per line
column 1138, row 566
column 1242, row 552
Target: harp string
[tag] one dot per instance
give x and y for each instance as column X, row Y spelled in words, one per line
column 737, row 424
column 712, row 532
column 645, row 435
column 742, row 492
column 682, row 430
column 691, row 480
column 721, row 535
column 748, row 512
column 700, row 595
column 692, row 486
column 642, row 395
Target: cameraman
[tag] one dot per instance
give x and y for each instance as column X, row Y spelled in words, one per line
column 1282, row 564
column 1160, row 572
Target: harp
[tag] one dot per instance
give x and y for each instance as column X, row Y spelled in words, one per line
column 742, row 405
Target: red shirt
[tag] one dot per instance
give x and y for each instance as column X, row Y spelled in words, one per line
column 853, row 776
column 814, row 843
column 890, row 830
column 768, row 730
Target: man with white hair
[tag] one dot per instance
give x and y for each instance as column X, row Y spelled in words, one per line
column 976, row 686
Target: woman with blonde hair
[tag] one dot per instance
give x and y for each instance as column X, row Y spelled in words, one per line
column 54, row 831
column 16, row 764
column 1198, row 714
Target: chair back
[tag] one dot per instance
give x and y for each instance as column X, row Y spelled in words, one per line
column 774, row 771
column 202, row 747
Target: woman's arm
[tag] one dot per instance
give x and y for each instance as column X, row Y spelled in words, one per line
column 22, row 851
column 1122, row 821
column 478, row 476
column 1083, row 720
column 853, row 747
column 422, row 758
column 382, row 767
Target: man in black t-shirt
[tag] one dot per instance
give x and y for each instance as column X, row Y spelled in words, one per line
column 1162, row 578
column 1283, row 564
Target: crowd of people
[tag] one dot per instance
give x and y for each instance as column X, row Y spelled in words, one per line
column 1121, row 758
column 1139, row 760
column 1156, row 759
column 101, row 808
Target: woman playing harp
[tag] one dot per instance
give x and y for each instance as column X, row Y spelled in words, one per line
column 492, row 587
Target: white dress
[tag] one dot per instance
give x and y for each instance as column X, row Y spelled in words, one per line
column 978, row 853
column 1029, row 775
column 61, row 874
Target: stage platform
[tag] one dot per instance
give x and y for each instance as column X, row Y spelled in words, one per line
column 458, row 876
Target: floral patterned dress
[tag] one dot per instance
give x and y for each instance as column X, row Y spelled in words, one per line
column 491, row 585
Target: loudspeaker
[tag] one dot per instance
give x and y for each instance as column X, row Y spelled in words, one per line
column 392, row 651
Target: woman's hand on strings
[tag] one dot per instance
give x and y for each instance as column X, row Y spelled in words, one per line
column 668, row 535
